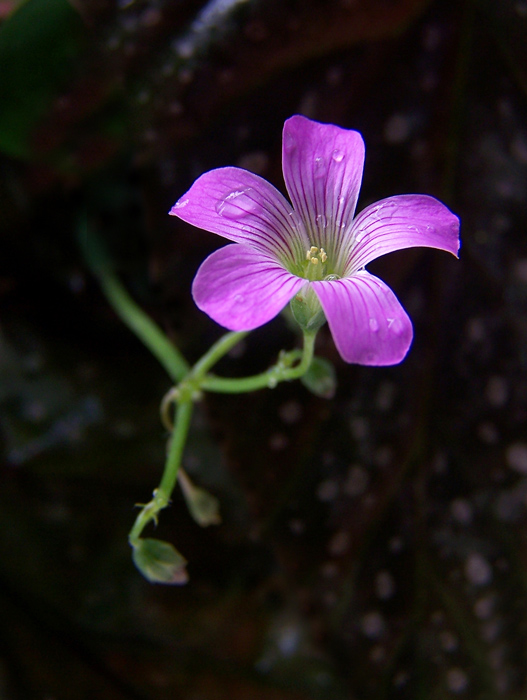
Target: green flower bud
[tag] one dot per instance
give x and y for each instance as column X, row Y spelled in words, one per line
column 159, row 562
column 307, row 311
column 203, row 506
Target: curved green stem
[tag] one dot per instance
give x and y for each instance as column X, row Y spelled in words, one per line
column 143, row 327
column 220, row 348
column 282, row 371
column 125, row 307
column 161, row 496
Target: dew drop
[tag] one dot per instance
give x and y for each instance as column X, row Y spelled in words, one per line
column 322, row 222
column 377, row 213
column 413, row 228
column 236, row 204
column 385, row 211
column 374, row 325
column 338, row 156
column 181, row 203
column 239, row 298
column 360, row 235
column 319, row 167
column 395, row 325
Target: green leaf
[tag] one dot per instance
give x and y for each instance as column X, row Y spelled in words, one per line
column 38, row 47
column 159, row 562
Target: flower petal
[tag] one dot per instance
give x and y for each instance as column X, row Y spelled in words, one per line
column 244, row 208
column 368, row 324
column 323, row 172
column 241, row 288
column 404, row 221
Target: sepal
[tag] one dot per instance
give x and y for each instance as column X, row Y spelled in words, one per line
column 307, row 311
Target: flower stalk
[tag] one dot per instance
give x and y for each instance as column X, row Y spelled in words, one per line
column 290, row 365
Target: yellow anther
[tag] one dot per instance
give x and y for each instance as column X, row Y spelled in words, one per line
column 314, row 261
column 323, row 255
column 313, row 250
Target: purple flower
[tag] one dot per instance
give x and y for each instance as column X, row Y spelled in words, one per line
column 315, row 250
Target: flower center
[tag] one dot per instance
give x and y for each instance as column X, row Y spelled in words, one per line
column 315, row 264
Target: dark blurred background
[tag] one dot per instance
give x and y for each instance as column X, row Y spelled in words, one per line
column 373, row 545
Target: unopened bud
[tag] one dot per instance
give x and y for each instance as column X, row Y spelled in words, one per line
column 306, row 310
column 159, row 561
column 203, row 506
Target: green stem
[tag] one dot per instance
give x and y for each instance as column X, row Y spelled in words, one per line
column 216, row 352
column 177, row 444
column 161, row 497
column 125, row 307
column 282, row 371
column 143, row 327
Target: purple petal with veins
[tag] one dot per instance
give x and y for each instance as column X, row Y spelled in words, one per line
column 368, row 324
column 241, row 288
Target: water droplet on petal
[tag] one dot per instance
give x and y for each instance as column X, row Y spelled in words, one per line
column 360, row 235
column 181, row 203
column 319, row 167
column 338, row 156
column 395, row 325
column 430, row 228
column 384, row 212
column 413, row 228
column 374, row 325
column 377, row 213
column 322, row 221
column 239, row 298
column 236, row 204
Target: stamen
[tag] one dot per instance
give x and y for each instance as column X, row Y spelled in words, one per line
column 318, row 258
